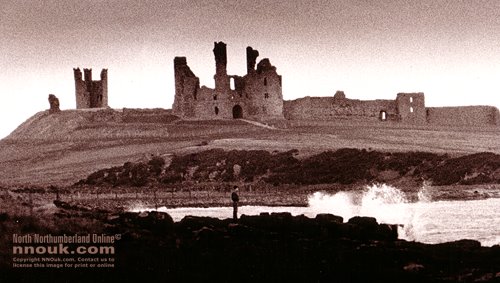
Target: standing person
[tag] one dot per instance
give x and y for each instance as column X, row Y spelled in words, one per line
column 235, row 198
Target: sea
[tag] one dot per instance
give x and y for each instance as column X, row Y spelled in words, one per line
column 420, row 218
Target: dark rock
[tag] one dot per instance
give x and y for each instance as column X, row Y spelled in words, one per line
column 153, row 221
column 363, row 221
column 162, row 220
column 239, row 230
column 192, row 223
column 4, row 216
column 54, row 104
column 113, row 218
column 305, row 226
column 388, row 232
column 208, row 236
column 326, row 218
column 128, row 217
column 413, row 267
column 367, row 228
column 461, row 244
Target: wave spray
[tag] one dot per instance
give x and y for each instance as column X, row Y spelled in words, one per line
column 386, row 203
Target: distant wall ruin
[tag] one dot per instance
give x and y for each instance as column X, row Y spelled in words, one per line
column 464, row 116
column 90, row 93
column 407, row 107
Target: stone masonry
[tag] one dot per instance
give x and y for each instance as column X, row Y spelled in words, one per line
column 257, row 95
column 407, row 107
column 89, row 93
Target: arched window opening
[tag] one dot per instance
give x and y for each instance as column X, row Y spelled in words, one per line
column 232, row 84
column 237, row 112
column 266, row 95
column 411, row 109
column 265, row 81
column 383, row 116
column 216, row 110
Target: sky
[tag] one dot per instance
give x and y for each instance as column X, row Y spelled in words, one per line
column 448, row 49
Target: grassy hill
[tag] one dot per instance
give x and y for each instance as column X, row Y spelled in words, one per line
column 65, row 147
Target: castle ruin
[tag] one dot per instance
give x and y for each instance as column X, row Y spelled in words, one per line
column 407, row 107
column 89, row 93
column 256, row 95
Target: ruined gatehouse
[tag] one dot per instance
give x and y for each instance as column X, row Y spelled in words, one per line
column 257, row 95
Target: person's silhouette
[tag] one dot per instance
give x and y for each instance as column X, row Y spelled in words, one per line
column 235, row 198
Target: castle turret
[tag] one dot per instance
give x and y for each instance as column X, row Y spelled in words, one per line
column 104, row 93
column 186, row 88
column 90, row 93
column 251, row 59
column 221, row 78
column 77, row 73
column 87, row 73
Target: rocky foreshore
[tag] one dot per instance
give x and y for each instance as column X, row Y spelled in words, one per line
column 275, row 247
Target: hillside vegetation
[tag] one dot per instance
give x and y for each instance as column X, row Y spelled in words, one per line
column 343, row 166
column 65, row 147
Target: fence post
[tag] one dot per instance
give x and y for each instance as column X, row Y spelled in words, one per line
column 156, row 203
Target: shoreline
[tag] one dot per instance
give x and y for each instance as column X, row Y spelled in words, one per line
column 119, row 199
column 324, row 247
column 358, row 250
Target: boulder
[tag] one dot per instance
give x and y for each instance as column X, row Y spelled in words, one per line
column 326, row 218
column 54, row 104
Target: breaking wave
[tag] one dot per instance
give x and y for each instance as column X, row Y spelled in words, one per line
column 384, row 202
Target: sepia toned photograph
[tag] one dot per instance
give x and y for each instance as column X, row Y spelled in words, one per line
column 250, row 141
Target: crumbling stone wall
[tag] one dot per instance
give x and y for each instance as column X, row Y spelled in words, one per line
column 90, row 93
column 157, row 115
column 464, row 116
column 340, row 107
column 406, row 108
column 256, row 95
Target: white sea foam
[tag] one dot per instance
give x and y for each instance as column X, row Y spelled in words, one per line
column 422, row 220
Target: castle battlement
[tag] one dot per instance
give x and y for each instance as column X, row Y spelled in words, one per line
column 90, row 93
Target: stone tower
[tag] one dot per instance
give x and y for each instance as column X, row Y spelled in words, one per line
column 186, row 88
column 89, row 93
column 411, row 107
column 220, row 77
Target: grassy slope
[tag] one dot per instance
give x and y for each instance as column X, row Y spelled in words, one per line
column 62, row 149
